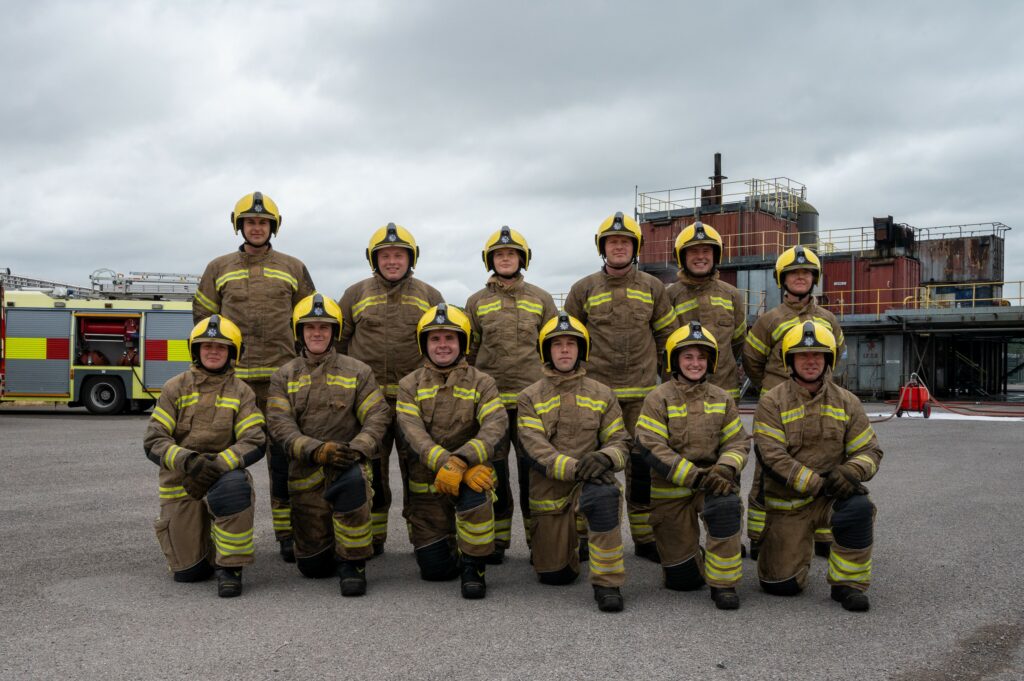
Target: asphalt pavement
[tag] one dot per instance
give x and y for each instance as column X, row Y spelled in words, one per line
column 85, row 592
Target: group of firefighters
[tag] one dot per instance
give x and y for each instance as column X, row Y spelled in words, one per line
column 630, row 376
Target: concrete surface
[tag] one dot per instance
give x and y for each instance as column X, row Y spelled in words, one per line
column 84, row 590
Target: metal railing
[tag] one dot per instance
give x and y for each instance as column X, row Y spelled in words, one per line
column 777, row 195
column 931, row 296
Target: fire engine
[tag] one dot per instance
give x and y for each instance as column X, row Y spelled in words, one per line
column 109, row 349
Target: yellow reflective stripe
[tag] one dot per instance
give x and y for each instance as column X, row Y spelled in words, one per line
column 278, row 403
column 860, row 441
column 172, row 492
column 633, row 393
column 427, row 393
column 665, row 320
column 714, row 407
column 390, row 390
column 793, row 415
column 186, row 400
column 494, row 306
column 207, row 303
column 475, row 534
column 364, row 407
column 642, row 296
column 248, row 422
column 282, row 518
column 361, row 305
column 232, row 543
column 342, row 381
column 539, row 505
column 530, row 422
column 612, row 428
column 598, row 299
column 559, row 469
column 232, row 403
column 170, row 455
column 544, row 407
column 508, row 400
column 254, row 373
column 408, row 408
column 778, row 504
column 528, row 306
column 680, row 471
column 670, row 492
column 754, row 342
column 802, row 480
column 734, row 393
column 723, row 568
column 593, row 405
column 755, row 519
column 736, row 458
column 230, row 458
column 421, row 488
column 730, row 429
column 785, row 326
column 416, row 302
column 653, row 425
column 283, row 276
column 434, row 457
column 842, row 570
column 26, row 348
column 721, row 302
column 867, row 461
column 825, row 322
column 295, row 386
column 503, row 529
column 308, row 482
column 165, row 419
column 834, row 412
column 677, row 412
column 379, row 523
column 230, row 276
column 480, row 448
column 686, row 306
column 605, row 561
column 774, row 433
column 740, row 330
column 488, row 408
column 352, row 536
column 465, row 393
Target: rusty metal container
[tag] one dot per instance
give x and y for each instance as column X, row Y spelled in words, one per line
column 861, row 285
column 963, row 259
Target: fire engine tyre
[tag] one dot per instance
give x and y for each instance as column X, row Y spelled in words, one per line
column 927, row 409
column 103, row 394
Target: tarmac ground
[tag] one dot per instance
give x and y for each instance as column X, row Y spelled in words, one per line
column 85, row 592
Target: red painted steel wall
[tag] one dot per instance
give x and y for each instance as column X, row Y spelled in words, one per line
column 746, row 234
column 860, row 285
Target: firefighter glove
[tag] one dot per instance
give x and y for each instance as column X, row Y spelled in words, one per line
column 479, row 478
column 851, row 472
column 592, row 465
column 720, row 480
column 606, row 478
column 450, row 475
column 195, row 490
column 204, row 472
column 839, row 486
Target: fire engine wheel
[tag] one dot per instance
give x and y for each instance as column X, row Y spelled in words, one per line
column 103, row 395
column 927, row 410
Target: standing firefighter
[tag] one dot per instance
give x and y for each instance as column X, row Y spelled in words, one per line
column 629, row 316
column 506, row 317
column 257, row 287
column 204, row 432
column 816, row 447
column 571, row 428
column 381, row 314
column 326, row 412
column 700, row 295
column 451, row 418
column 797, row 272
column 692, row 437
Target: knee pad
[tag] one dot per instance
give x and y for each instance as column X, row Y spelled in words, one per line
column 600, row 504
column 559, row 578
column 319, row 566
column 787, row 587
column 230, row 494
column 469, row 498
column 197, row 573
column 853, row 521
column 437, row 562
column 278, row 472
column 348, row 491
column 683, row 577
column 639, row 478
column 722, row 514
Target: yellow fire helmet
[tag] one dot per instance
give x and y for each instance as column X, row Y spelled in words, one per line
column 507, row 238
column 216, row 329
column 316, row 308
column 698, row 233
column 256, row 205
column 691, row 335
column 563, row 324
column 392, row 235
column 810, row 336
column 797, row 258
column 443, row 316
column 620, row 225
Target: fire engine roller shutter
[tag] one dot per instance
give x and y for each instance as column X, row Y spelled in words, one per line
column 38, row 352
column 166, row 349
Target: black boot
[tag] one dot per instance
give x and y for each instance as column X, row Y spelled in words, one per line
column 473, row 582
column 352, row 577
column 287, row 550
column 725, row 598
column 378, row 549
column 609, row 598
column 648, row 550
column 229, row 582
column 498, row 557
column 755, row 550
column 851, row 599
column 584, row 550
column 822, row 548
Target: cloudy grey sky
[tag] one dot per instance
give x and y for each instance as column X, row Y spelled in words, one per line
column 129, row 129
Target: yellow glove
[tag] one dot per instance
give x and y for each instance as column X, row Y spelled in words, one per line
column 450, row 476
column 479, row 478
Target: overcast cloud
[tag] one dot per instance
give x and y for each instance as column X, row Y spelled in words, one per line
column 129, row 129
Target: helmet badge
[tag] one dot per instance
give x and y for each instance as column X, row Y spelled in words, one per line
column 808, row 340
column 440, row 319
column 318, row 311
column 697, row 333
column 211, row 332
column 563, row 326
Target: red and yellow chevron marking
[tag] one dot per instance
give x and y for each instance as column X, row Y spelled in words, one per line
column 38, row 348
column 168, row 351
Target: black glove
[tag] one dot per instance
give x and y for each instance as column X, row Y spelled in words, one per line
column 195, row 490
column 606, row 478
column 592, row 465
column 838, row 485
column 720, row 480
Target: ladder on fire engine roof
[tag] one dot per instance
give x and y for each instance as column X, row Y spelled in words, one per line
column 107, row 283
